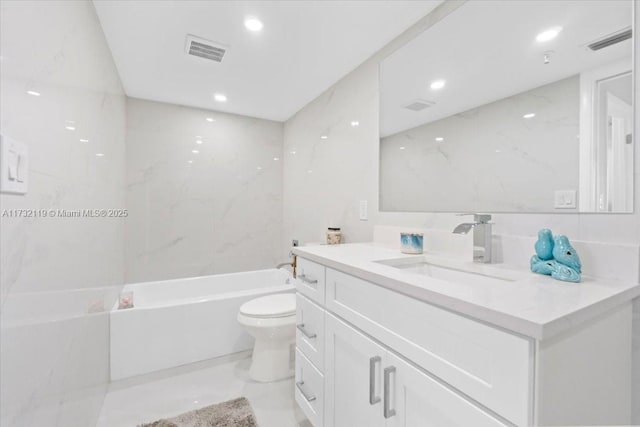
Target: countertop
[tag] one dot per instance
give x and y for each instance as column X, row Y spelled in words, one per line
column 534, row 305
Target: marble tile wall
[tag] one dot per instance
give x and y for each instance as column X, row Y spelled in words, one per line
column 348, row 163
column 59, row 275
column 331, row 161
column 215, row 211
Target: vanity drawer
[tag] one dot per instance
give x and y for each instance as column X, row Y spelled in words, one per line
column 310, row 280
column 310, row 330
column 489, row 365
column 309, row 389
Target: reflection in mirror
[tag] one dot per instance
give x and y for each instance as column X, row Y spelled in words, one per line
column 511, row 107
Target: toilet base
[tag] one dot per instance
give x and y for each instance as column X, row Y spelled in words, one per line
column 271, row 361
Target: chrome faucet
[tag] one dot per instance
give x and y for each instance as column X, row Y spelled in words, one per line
column 481, row 236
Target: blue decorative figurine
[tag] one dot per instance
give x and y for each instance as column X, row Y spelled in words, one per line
column 556, row 257
column 565, row 254
column 544, row 245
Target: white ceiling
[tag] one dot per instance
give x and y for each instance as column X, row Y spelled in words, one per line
column 304, row 47
column 487, row 50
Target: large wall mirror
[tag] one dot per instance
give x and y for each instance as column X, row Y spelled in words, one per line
column 511, row 106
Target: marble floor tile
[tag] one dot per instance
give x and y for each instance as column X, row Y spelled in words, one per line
column 147, row 398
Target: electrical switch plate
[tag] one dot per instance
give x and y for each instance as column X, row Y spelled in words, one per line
column 565, row 199
column 14, row 166
column 363, row 210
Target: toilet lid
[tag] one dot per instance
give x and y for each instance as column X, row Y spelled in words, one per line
column 278, row 305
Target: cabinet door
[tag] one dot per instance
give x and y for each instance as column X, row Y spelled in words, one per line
column 353, row 381
column 412, row 398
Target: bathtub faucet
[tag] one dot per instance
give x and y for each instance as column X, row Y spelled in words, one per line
column 293, row 265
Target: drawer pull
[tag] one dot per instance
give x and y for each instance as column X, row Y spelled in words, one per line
column 305, row 395
column 388, row 412
column 373, row 399
column 306, row 280
column 305, row 332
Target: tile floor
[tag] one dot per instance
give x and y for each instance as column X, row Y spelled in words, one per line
column 148, row 398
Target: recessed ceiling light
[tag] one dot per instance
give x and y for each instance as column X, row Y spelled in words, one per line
column 195, row 151
column 549, row 34
column 253, row 24
column 323, row 137
column 259, row 168
column 438, row 84
column 529, row 116
column 293, row 151
column 198, row 141
column 189, row 161
column 33, row 93
column 497, row 151
column 220, row 97
column 210, row 119
column 276, row 158
column 70, row 127
column 355, row 123
column 402, row 148
column 99, row 155
column 84, row 140
column 439, row 139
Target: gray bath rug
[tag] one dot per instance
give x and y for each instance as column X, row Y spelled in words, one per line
column 234, row 413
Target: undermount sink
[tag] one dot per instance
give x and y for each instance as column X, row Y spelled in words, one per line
column 451, row 270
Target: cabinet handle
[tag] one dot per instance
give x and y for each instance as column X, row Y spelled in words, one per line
column 305, row 395
column 305, row 332
column 388, row 412
column 306, row 280
column 373, row 399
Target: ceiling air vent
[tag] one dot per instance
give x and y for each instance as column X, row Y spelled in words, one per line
column 611, row 40
column 419, row 105
column 206, row 49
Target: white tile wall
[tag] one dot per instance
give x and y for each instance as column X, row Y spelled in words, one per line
column 193, row 214
column 58, row 274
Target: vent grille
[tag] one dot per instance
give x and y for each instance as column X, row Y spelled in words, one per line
column 419, row 105
column 611, row 40
column 206, row 49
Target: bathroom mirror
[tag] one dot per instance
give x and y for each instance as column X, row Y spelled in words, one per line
column 521, row 106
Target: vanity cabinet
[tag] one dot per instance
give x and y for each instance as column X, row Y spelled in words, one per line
column 489, row 365
column 368, row 356
column 368, row 385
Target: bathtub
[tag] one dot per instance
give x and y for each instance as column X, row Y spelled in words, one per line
column 181, row 321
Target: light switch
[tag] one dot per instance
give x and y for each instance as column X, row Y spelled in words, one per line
column 21, row 170
column 12, row 169
column 14, row 166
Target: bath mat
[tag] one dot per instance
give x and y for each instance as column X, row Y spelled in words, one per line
column 233, row 413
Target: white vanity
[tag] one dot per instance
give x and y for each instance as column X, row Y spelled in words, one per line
column 387, row 340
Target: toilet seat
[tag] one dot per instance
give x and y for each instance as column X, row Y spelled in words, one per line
column 270, row 307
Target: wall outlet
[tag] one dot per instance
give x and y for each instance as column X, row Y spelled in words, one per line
column 363, row 210
column 565, row 199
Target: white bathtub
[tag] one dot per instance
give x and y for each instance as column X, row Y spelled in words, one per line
column 181, row 321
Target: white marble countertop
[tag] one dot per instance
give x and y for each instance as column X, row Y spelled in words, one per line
column 533, row 305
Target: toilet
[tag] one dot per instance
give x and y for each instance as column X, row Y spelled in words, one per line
column 271, row 321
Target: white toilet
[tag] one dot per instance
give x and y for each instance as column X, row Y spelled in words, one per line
column 271, row 320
